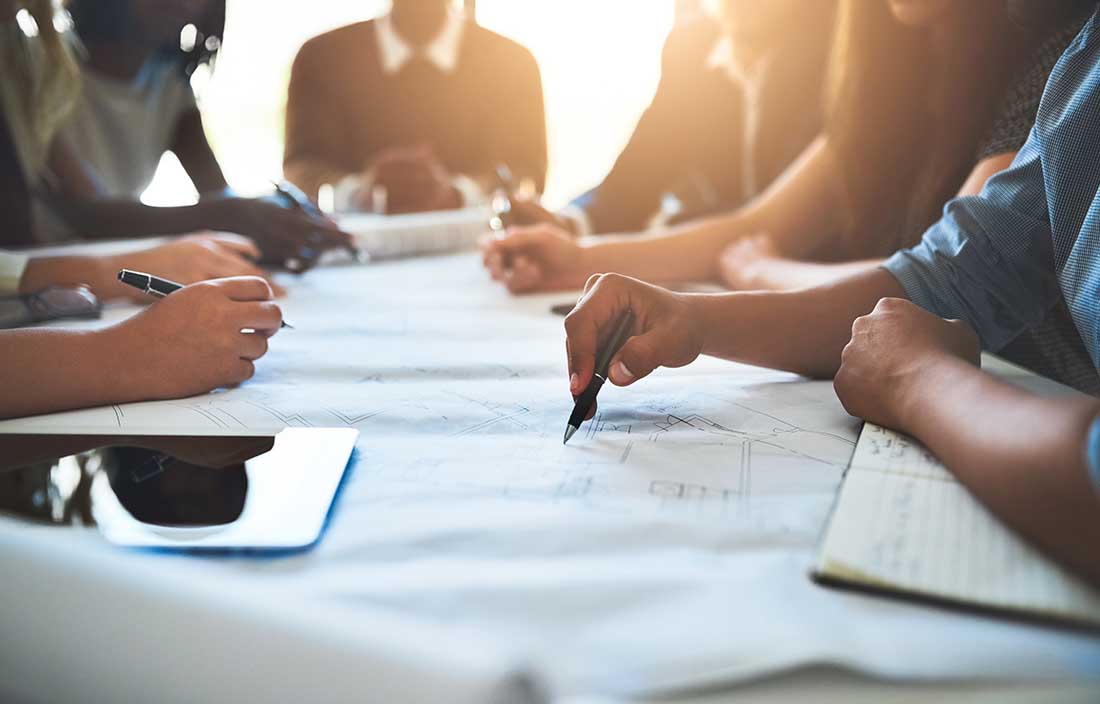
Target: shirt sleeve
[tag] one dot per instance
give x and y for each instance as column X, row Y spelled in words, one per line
column 11, row 272
column 1092, row 455
column 989, row 260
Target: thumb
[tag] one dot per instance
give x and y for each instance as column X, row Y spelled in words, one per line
column 637, row 358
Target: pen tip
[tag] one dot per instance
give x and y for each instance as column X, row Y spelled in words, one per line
column 569, row 432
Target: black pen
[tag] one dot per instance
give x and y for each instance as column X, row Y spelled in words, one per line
column 619, row 335
column 302, row 202
column 158, row 287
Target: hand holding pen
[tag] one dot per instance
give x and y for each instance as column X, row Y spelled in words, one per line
column 191, row 341
column 161, row 288
column 530, row 248
column 612, row 342
column 646, row 327
column 322, row 239
column 514, row 205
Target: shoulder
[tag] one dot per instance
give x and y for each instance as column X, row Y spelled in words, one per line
column 1019, row 104
column 499, row 46
column 498, row 51
column 1081, row 60
column 1069, row 109
column 692, row 40
column 352, row 37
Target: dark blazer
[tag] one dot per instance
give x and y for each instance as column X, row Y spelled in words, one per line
column 689, row 141
column 342, row 109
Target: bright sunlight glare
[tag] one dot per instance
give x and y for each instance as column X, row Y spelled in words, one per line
column 600, row 62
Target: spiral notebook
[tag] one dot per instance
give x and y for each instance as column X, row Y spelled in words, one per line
column 903, row 525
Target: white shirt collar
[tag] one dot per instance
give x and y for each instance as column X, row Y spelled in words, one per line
column 441, row 51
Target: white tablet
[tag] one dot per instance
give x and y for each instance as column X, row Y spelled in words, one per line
column 203, row 493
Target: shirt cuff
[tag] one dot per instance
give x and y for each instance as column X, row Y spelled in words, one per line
column 1092, row 455
column 904, row 267
column 11, row 272
column 469, row 190
column 582, row 224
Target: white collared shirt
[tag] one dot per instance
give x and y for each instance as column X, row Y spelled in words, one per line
column 394, row 52
column 442, row 51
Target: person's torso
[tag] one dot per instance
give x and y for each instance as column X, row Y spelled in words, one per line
column 121, row 129
column 420, row 103
column 741, row 129
column 1068, row 134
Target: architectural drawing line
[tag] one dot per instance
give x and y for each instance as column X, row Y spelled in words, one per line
column 218, row 422
column 286, row 418
column 793, row 426
column 492, row 421
column 355, row 420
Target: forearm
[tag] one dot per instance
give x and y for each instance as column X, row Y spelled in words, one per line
column 113, row 219
column 1020, row 454
column 51, row 370
column 42, row 272
column 193, row 150
column 779, row 274
column 796, row 211
column 688, row 252
column 801, row 331
column 100, row 274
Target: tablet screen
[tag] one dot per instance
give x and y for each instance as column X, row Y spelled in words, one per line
column 188, row 493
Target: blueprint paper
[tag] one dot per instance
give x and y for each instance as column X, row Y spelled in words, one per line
column 174, row 638
column 666, row 546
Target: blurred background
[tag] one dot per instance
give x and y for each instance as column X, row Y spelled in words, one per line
column 600, row 63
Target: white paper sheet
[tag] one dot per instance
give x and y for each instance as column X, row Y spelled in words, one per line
column 440, row 232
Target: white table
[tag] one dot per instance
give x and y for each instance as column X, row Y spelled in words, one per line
column 436, row 576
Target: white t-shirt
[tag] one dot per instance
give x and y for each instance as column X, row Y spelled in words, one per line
column 122, row 129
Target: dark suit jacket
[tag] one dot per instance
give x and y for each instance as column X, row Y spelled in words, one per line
column 689, row 141
column 342, row 109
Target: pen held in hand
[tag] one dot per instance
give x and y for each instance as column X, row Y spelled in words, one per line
column 620, row 333
column 301, row 201
column 158, row 287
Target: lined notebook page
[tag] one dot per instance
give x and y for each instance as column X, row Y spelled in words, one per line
column 903, row 522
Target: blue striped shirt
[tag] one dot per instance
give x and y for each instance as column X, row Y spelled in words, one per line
column 1002, row 260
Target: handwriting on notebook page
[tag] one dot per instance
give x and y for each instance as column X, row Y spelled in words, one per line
column 883, row 450
column 902, row 521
